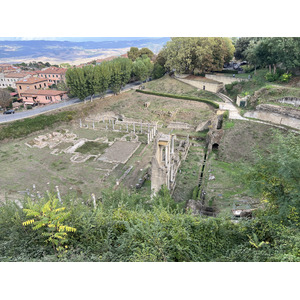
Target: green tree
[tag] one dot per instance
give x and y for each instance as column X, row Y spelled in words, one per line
column 116, row 80
column 190, row 55
column 5, row 99
column 146, row 51
column 102, row 77
column 133, row 53
column 142, row 68
column 158, row 71
column 275, row 177
column 76, row 81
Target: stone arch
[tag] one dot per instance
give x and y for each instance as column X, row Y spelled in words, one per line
column 215, row 146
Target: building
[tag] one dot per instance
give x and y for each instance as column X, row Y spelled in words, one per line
column 43, row 97
column 10, row 79
column 31, row 84
column 8, row 68
column 53, row 75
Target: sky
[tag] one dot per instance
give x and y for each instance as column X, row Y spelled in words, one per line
column 73, row 39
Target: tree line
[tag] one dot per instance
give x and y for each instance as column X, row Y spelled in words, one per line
column 196, row 55
column 114, row 75
column 271, row 52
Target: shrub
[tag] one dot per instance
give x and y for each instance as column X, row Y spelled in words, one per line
column 229, row 87
column 285, row 77
column 29, row 107
column 271, row 77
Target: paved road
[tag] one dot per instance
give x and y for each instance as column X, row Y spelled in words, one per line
column 46, row 108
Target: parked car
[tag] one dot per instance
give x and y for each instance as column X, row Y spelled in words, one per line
column 8, row 112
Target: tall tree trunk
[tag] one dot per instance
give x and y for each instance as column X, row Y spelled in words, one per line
column 255, row 69
column 274, row 68
column 270, row 68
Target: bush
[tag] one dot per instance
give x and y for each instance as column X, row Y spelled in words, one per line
column 285, row 77
column 271, row 77
column 29, row 106
column 215, row 105
column 248, row 69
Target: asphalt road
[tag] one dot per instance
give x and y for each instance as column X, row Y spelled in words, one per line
column 42, row 109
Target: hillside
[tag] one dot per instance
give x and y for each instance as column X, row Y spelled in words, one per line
column 68, row 51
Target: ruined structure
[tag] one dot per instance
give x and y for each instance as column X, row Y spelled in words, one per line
column 166, row 161
column 215, row 133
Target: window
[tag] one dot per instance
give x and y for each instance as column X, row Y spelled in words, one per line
column 20, row 87
column 44, row 84
column 40, row 86
column 56, row 75
column 35, row 86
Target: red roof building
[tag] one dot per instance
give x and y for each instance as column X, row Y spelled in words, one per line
column 53, row 75
column 43, row 97
column 31, row 84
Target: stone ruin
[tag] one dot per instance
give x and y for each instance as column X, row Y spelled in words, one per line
column 166, row 161
column 215, row 133
column 52, row 140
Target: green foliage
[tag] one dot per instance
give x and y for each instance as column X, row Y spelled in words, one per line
column 158, row 71
column 48, row 219
column 135, row 53
column 134, row 227
column 285, row 77
column 29, row 106
column 205, row 54
column 215, row 105
column 276, row 178
column 24, row 127
column 142, row 68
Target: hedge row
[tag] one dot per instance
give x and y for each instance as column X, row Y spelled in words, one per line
column 215, row 105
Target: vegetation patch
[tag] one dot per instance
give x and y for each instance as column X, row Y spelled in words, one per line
column 91, row 147
column 213, row 104
column 24, row 127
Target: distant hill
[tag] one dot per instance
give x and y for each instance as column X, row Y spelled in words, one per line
column 68, row 51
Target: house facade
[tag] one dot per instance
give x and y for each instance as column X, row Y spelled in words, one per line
column 10, row 79
column 53, row 75
column 31, row 84
column 43, row 97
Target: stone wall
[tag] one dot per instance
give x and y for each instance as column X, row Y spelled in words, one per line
column 214, row 87
column 286, row 111
column 240, row 99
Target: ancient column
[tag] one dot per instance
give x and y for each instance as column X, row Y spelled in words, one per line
column 113, row 124
column 134, row 127
column 80, row 123
column 148, row 136
column 172, row 143
column 126, row 127
column 166, row 155
column 93, row 125
column 141, row 127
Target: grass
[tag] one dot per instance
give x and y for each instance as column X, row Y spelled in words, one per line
column 209, row 102
column 90, row 147
column 24, row 127
column 170, row 85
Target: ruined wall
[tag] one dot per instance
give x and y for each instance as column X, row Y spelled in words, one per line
column 286, row 111
column 209, row 86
